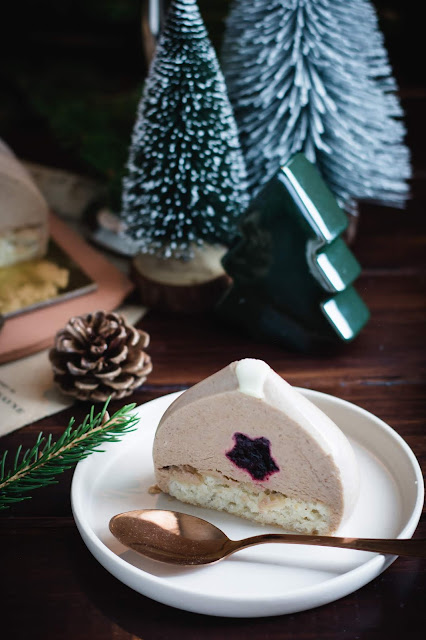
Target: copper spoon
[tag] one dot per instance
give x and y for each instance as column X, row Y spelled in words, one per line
column 178, row 538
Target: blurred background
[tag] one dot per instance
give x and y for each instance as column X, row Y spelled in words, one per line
column 72, row 73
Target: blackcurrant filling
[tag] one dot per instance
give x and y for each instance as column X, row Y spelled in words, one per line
column 253, row 455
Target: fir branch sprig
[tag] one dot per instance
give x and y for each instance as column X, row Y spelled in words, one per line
column 40, row 465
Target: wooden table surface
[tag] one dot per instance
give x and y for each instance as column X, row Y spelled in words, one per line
column 53, row 588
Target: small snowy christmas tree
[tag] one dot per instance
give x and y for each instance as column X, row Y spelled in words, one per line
column 314, row 76
column 186, row 180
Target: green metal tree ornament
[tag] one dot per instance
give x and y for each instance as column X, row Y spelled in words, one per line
column 292, row 272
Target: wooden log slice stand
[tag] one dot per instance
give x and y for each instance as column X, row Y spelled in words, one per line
column 181, row 286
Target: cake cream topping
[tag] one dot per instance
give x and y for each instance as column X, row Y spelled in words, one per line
column 251, row 376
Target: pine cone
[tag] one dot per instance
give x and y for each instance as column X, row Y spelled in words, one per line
column 99, row 355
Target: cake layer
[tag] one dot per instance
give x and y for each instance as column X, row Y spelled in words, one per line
column 246, row 500
column 20, row 244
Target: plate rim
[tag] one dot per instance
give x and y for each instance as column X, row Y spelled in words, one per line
column 371, row 568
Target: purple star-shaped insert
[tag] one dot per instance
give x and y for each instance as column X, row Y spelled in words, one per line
column 254, row 456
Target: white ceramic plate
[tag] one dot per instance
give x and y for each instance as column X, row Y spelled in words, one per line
column 269, row 579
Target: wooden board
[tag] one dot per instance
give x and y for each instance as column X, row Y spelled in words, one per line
column 28, row 333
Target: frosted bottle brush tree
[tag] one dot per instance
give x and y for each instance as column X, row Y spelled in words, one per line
column 314, row 76
column 185, row 182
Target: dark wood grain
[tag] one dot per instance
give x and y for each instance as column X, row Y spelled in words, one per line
column 51, row 585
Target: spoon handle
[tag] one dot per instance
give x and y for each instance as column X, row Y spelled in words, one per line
column 400, row 547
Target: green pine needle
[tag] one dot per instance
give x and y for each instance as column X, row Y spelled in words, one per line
column 39, row 466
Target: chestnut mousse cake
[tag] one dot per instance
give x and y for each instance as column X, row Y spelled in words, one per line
column 246, row 442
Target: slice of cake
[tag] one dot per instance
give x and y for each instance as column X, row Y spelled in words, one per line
column 244, row 441
column 24, row 225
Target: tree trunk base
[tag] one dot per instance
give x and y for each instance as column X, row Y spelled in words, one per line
column 181, row 286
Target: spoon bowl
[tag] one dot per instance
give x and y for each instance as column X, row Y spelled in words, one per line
column 181, row 539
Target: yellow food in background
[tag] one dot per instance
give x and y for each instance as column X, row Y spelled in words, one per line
column 27, row 283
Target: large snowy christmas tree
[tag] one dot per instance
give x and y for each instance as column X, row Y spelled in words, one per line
column 186, row 180
column 314, row 76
